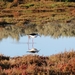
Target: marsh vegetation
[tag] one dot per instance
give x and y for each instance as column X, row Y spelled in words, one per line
column 53, row 18
column 36, row 12
column 52, row 29
column 58, row 64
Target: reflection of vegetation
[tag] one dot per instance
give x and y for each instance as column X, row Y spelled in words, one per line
column 59, row 64
column 53, row 29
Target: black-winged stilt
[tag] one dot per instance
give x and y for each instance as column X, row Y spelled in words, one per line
column 33, row 35
column 33, row 50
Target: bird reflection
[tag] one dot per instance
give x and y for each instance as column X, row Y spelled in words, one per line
column 32, row 50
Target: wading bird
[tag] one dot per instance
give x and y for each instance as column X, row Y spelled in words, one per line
column 33, row 50
column 33, row 35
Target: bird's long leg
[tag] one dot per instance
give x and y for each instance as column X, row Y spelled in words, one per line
column 28, row 42
column 28, row 45
column 32, row 43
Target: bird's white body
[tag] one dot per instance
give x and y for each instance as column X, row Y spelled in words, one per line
column 33, row 35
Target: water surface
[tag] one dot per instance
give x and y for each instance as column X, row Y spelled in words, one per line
column 55, row 38
column 46, row 44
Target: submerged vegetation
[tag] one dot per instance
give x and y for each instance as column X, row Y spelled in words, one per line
column 58, row 64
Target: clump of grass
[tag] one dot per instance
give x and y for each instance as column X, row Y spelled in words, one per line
column 34, row 64
column 27, row 5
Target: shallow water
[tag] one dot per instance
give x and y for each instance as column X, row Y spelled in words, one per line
column 46, row 44
column 54, row 38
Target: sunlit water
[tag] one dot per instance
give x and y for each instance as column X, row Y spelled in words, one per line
column 46, row 44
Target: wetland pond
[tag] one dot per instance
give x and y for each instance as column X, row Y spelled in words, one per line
column 52, row 40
